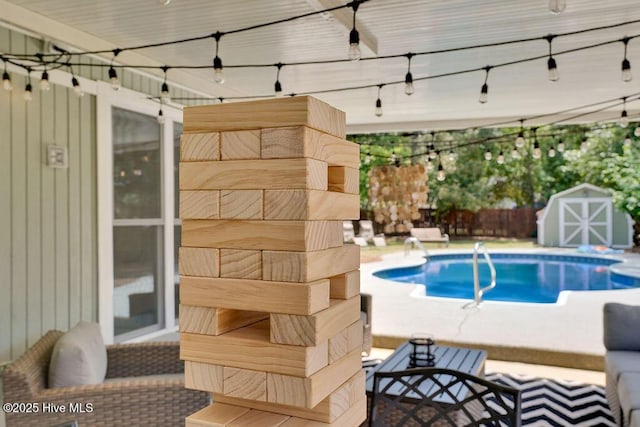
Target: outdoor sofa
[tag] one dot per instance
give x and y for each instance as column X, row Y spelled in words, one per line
column 143, row 386
column 431, row 234
column 622, row 362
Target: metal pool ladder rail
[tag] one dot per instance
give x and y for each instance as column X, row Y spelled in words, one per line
column 478, row 292
column 414, row 241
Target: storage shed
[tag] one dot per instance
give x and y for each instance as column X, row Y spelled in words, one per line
column 584, row 215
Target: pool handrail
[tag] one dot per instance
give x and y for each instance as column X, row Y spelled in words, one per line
column 477, row 291
column 414, row 241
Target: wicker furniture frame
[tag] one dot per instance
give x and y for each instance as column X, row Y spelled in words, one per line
column 153, row 399
column 441, row 397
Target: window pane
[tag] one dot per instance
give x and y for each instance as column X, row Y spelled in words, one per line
column 137, row 265
column 136, row 165
column 176, row 245
column 177, row 131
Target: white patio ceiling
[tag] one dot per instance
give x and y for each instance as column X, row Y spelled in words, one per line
column 387, row 27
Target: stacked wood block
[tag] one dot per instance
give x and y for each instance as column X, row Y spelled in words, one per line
column 269, row 294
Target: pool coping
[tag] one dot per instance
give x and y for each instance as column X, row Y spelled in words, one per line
column 567, row 334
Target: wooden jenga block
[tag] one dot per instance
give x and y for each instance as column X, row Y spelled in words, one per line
column 310, row 205
column 338, row 345
column 255, row 418
column 255, row 295
column 355, row 336
column 293, row 111
column 250, row 348
column 241, row 264
column 329, row 410
column 200, row 204
column 203, row 376
column 241, row 175
column 268, row 235
column 215, row 321
column 294, row 142
column 199, row 262
column 309, row 391
column 200, row 147
column 288, row 266
column 241, row 204
column 313, row 329
column 344, row 180
column 245, row 383
column 345, row 286
column 215, row 415
column 243, row 144
column 354, row 416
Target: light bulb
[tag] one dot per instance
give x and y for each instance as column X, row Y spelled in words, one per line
column 164, row 93
column 623, row 122
column 278, row 88
column 557, row 6
column 394, row 157
column 451, row 156
column 552, row 152
column 484, row 94
column 354, row 45
column 584, row 146
column 433, row 154
column 560, row 146
column 627, row 139
column 113, row 76
column 553, row 69
column 44, row 82
column 28, row 96
column 367, row 159
column 76, row 86
column 408, row 84
column 218, row 74
column 537, row 153
column 429, row 165
column 636, row 131
column 515, row 154
column 440, row 176
column 626, row 71
column 500, row 158
column 487, row 155
column 160, row 117
column 378, row 107
column 520, row 140
column 6, row 81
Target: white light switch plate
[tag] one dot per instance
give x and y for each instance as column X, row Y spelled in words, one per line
column 57, row 156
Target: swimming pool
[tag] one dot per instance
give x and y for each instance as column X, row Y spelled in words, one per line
column 533, row 278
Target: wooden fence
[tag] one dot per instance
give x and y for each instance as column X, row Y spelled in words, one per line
column 517, row 223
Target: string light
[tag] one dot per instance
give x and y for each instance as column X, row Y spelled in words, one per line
column 28, row 89
column 74, row 82
column 636, row 131
column 113, row 76
column 451, row 156
column 164, row 90
column 557, row 6
column 623, row 121
column 354, row 36
column 627, row 139
column 584, row 145
column 537, row 153
column 626, row 65
column 277, row 85
column 500, row 158
column 408, row 78
column 218, row 73
column 560, row 146
column 429, row 165
column 6, row 79
column 44, row 81
column 379, row 103
column 484, row 91
column 488, row 155
column 441, row 176
column 551, row 62
column 552, row 152
column 160, row 118
column 515, row 154
column 520, row 139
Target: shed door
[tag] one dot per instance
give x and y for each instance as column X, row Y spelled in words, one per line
column 585, row 222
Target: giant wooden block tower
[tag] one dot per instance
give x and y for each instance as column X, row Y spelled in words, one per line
column 269, row 294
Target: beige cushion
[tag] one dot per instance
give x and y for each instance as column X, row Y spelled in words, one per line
column 79, row 357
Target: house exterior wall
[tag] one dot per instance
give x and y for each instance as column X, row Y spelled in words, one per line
column 48, row 216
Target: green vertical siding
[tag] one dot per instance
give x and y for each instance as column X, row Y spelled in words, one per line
column 48, row 245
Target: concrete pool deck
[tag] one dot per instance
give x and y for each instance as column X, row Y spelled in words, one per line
column 563, row 334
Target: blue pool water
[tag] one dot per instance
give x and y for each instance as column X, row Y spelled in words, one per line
column 519, row 277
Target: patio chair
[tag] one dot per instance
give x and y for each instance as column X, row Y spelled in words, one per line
column 144, row 385
column 435, row 396
column 347, row 231
column 366, row 229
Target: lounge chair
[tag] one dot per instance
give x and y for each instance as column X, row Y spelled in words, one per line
column 366, row 229
column 347, row 231
column 432, row 234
